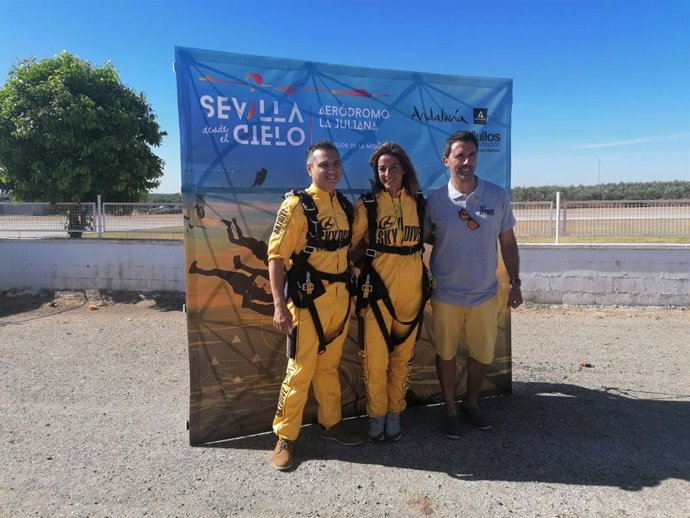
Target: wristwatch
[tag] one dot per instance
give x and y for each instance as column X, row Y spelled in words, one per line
column 516, row 282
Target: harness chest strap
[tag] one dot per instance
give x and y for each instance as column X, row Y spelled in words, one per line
column 373, row 288
column 373, row 248
column 312, row 285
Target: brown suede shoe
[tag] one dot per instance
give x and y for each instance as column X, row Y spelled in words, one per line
column 340, row 434
column 282, row 454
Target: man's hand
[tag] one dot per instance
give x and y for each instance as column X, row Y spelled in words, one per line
column 514, row 297
column 511, row 259
column 282, row 318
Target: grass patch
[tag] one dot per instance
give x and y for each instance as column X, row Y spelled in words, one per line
column 158, row 233
column 607, row 230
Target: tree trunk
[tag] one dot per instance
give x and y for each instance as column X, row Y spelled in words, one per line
column 76, row 223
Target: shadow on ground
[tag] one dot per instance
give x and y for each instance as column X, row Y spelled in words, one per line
column 51, row 302
column 543, row 432
column 12, row 303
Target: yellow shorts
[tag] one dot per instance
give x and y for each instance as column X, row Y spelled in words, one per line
column 476, row 326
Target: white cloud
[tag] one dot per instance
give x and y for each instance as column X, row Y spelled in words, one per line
column 642, row 140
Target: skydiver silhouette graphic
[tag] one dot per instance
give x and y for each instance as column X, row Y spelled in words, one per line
column 199, row 211
column 253, row 297
column 257, row 247
column 260, row 177
column 258, row 272
column 200, row 206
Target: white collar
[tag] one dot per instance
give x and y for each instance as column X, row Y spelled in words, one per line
column 454, row 194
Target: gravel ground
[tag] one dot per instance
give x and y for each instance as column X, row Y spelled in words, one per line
column 95, row 394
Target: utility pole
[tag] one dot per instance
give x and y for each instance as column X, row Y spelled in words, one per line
column 601, row 192
column 599, row 173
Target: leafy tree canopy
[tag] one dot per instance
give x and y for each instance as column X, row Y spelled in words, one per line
column 673, row 190
column 70, row 130
column 154, row 197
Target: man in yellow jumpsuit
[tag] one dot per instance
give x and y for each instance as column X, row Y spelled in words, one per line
column 394, row 254
column 320, row 272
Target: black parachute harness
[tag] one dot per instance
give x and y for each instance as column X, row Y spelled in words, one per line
column 370, row 286
column 304, row 282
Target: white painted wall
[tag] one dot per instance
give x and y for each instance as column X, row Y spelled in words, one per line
column 81, row 264
column 648, row 275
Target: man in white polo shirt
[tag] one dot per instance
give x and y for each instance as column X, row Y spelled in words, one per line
column 468, row 217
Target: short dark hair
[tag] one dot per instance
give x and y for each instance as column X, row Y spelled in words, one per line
column 324, row 145
column 459, row 136
column 409, row 179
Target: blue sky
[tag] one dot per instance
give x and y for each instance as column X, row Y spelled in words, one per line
column 601, row 88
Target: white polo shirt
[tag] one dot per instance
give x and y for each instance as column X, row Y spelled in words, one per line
column 464, row 260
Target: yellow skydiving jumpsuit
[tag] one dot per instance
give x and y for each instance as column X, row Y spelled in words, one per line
column 386, row 375
column 290, row 236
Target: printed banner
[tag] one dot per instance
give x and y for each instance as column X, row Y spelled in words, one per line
column 245, row 124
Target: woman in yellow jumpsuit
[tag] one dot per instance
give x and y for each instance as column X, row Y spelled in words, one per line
column 396, row 258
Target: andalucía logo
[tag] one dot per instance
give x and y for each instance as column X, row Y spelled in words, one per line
column 480, row 115
column 437, row 116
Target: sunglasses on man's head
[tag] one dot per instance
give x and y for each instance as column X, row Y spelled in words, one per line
column 465, row 216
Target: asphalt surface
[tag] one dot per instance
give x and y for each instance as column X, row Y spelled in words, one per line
column 94, row 399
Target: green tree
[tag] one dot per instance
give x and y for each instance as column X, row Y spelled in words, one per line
column 70, row 130
column 674, row 190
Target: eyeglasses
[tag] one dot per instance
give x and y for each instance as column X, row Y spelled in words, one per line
column 465, row 216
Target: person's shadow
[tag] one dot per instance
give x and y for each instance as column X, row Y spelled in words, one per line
column 543, row 432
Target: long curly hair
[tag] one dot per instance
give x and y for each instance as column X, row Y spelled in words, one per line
column 409, row 179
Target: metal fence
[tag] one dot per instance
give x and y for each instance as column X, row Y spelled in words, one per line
column 143, row 219
column 534, row 219
column 638, row 218
column 39, row 219
column 544, row 221
column 626, row 218
column 109, row 220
